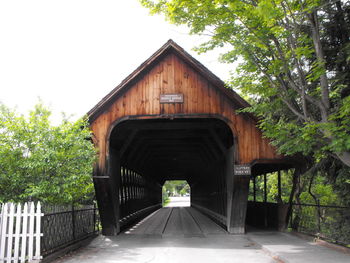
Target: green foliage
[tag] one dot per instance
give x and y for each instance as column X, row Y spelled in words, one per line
column 271, row 186
column 294, row 65
column 39, row 161
column 321, row 188
column 176, row 187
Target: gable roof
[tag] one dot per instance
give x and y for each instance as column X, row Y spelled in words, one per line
column 169, row 47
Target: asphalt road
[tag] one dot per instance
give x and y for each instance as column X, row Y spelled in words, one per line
column 182, row 234
column 184, row 201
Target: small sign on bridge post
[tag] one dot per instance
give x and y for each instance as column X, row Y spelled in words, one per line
column 242, row 170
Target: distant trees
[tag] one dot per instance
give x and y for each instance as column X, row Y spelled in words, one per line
column 40, row 161
column 176, row 187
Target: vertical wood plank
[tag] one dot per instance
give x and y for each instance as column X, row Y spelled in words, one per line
column 38, row 216
column 24, row 233
column 10, row 232
column 31, row 231
column 17, row 232
column 4, row 213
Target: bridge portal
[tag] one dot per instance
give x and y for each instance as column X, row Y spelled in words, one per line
column 172, row 119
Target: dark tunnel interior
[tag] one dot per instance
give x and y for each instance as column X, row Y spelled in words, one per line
column 151, row 151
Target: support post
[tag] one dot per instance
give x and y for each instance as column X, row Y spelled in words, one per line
column 229, row 186
column 239, row 204
column 237, row 197
column 279, row 194
column 107, row 194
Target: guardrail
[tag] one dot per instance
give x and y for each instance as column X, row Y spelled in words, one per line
column 328, row 222
column 65, row 225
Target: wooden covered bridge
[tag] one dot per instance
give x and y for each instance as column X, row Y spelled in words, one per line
column 172, row 119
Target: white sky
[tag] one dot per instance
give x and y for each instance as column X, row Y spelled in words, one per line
column 71, row 53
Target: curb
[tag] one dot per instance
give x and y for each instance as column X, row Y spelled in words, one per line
column 268, row 252
column 321, row 242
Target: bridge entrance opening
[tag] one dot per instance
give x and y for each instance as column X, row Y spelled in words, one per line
column 145, row 153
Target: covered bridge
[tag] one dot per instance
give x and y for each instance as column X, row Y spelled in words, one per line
column 172, row 119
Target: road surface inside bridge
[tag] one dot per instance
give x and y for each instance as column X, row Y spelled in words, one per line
column 183, row 234
column 176, row 221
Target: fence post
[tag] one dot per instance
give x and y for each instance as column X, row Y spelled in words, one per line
column 31, row 231
column 94, row 218
column 38, row 234
column 319, row 216
column 17, row 232
column 73, row 221
column 10, row 232
column 24, row 233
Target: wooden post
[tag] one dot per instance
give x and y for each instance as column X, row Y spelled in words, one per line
column 107, row 194
column 237, row 197
column 279, row 194
column 229, row 186
column 239, row 204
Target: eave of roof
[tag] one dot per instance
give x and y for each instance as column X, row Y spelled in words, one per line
column 169, row 46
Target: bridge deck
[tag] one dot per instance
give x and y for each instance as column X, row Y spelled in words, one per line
column 182, row 234
column 176, row 221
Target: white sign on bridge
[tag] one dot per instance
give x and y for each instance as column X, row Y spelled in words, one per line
column 171, row 98
column 242, row 170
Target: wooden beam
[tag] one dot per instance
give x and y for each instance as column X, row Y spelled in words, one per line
column 175, row 125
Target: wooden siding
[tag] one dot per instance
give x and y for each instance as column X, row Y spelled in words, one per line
column 173, row 75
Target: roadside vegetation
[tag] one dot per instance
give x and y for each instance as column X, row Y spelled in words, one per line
column 44, row 162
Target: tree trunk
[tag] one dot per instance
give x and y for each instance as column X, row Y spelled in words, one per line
column 296, row 176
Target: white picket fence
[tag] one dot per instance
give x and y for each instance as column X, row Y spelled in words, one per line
column 20, row 232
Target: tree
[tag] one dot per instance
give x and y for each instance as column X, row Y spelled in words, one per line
column 294, row 65
column 176, row 187
column 43, row 162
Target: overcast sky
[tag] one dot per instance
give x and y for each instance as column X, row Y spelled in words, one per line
column 71, row 53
